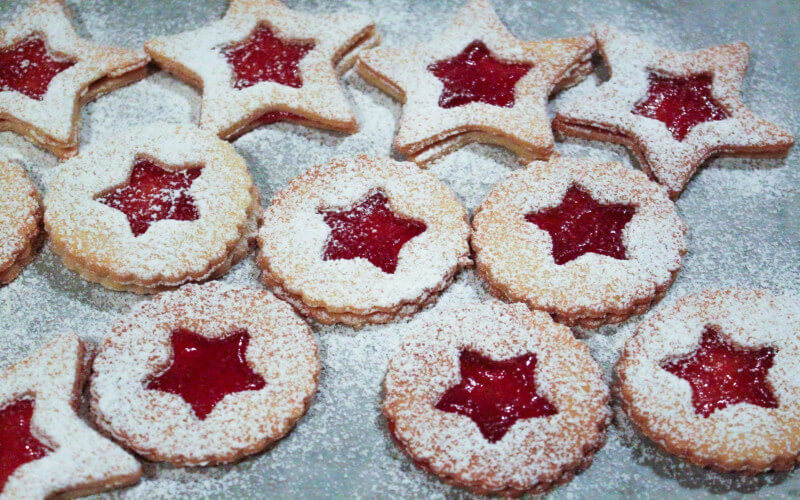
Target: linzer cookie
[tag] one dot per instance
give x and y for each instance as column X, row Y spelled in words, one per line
column 713, row 379
column 263, row 63
column 47, row 73
column 20, row 221
column 363, row 240
column 497, row 399
column 45, row 448
column 152, row 209
column 204, row 375
column 673, row 109
column 476, row 82
column 591, row 243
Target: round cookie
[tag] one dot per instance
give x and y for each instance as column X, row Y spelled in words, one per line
column 153, row 208
column 363, row 240
column 204, row 375
column 590, row 243
column 497, row 399
column 712, row 379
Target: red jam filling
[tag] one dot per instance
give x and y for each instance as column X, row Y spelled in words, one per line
column 153, row 194
column 495, row 394
column 475, row 75
column 277, row 116
column 203, row 371
column 28, row 68
column 263, row 57
column 580, row 225
column 17, row 445
column 722, row 373
column 680, row 103
column 369, row 230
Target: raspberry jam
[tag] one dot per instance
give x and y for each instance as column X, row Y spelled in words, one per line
column 680, row 103
column 370, row 230
column 475, row 75
column 721, row 374
column 203, row 371
column 580, row 225
column 263, row 57
column 17, row 445
column 495, row 394
column 28, row 68
column 153, row 194
column 277, row 116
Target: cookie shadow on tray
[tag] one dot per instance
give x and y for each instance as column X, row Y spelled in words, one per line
column 65, row 282
column 645, row 452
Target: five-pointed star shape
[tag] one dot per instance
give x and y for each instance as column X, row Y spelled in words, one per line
column 722, row 374
column 428, row 130
column 580, row 225
column 199, row 58
column 204, row 370
column 75, row 458
column 495, row 394
column 51, row 121
column 607, row 112
column 153, row 194
column 681, row 103
column 369, row 230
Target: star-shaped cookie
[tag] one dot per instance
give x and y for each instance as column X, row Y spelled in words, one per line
column 721, row 374
column 55, row 451
column 263, row 63
column 47, row 73
column 495, row 394
column 476, row 82
column 370, row 230
column 673, row 109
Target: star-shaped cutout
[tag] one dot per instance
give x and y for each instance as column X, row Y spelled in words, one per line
column 28, row 68
column 40, row 431
column 721, row 374
column 580, row 225
column 496, row 394
column 673, row 109
column 475, row 75
column 263, row 57
column 681, row 103
column 18, row 445
column 263, row 63
column 369, row 230
column 481, row 60
column 154, row 193
column 202, row 370
column 47, row 72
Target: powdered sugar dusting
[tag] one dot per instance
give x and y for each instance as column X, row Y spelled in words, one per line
column 197, row 56
column 608, row 110
column 80, row 458
column 162, row 426
column 534, row 452
column 97, row 239
column 428, row 130
column 517, row 256
column 294, row 234
column 737, row 436
column 50, row 121
column 340, row 448
column 20, row 216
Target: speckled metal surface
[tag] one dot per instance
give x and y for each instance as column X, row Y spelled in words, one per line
column 742, row 215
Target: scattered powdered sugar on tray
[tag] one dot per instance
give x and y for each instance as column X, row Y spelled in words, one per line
column 741, row 215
